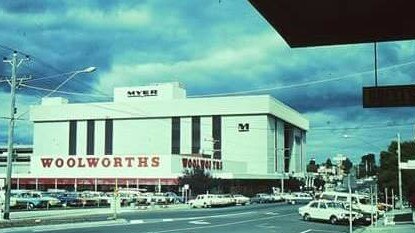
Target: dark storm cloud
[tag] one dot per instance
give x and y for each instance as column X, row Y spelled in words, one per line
column 29, row 6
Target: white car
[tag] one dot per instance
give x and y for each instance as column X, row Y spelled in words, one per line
column 241, row 199
column 206, row 200
column 359, row 202
column 298, row 198
column 277, row 197
column 333, row 212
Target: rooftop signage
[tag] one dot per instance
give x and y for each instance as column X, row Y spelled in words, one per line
column 142, row 93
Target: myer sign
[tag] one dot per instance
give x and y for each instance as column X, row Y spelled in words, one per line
column 142, row 93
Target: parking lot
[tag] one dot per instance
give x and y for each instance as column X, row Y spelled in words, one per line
column 274, row 217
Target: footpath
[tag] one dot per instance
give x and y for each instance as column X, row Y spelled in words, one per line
column 401, row 222
column 61, row 216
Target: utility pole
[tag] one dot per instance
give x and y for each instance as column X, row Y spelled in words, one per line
column 350, row 204
column 15, row 63
column 399, row 172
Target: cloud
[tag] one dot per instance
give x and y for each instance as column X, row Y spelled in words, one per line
column 210, row 47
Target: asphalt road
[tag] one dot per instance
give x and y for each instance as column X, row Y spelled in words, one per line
column 253, row 218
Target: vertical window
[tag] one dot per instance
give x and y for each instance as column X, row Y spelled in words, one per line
column 276, row 143
column 195, row 135
column 90, row 137
column 108, row 136
column 287, row 146
column 175, row 135
column 217, row 137
column 72, row 137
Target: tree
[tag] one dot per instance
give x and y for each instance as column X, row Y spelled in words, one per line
column 199, row 181
column 329, row 164
column 388, row 171
column 312, row 166
column 367, row 166
column 346, row 165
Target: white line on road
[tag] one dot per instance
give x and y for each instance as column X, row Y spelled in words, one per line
column 136, row 221
column 306, row 231
column 224, row 224
column 199, row 222
column 61, row 227
column 148, row 221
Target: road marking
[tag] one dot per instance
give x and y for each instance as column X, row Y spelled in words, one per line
column 323, row 231
column 199, row 222
column 272, row 213
column 136, row 221
column 306, row 231
column 148, row 221
column 62, row 227
column 224, row 224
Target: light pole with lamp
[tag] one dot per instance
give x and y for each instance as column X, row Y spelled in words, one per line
column 86, row 70
column 15, row 63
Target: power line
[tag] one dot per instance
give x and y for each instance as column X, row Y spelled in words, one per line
column 65, row 92
column 304, row 83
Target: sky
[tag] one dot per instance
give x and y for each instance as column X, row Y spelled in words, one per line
column 212, row 47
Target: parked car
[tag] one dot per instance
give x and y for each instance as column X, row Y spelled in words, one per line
column 92, row 198
column 261, row 198
column 227, row 200
column 360, row 203
column 240, row 199
column 70, row 199
column 206, row 200
column 174, row 198
column 333, row 212
column 26, row 199
column 277, row 197
column 298, row 198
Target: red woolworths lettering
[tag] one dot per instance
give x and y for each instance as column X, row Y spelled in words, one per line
column 81, row 162
column 92, row 162
column 46, row 162
column 142, row 161
column 129, row 161
column 117, row 162
column 70, row 162
column 59, row 162
column 155, row 161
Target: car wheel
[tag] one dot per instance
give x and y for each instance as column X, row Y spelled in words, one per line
column 306, row 217
column 333, row 220
column 205, row 205
column 31, row 206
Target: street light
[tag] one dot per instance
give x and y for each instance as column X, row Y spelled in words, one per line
column 86, row 70
column 15, row 63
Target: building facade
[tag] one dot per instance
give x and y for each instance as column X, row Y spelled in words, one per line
column 150, row 134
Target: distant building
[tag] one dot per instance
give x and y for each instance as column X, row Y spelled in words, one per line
column 150, row 134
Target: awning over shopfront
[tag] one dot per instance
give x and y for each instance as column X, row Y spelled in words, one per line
column 329, row 22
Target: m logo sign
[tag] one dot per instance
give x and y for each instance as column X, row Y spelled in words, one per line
column 243, row 127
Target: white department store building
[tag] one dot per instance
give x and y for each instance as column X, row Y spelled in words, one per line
column 150, row 134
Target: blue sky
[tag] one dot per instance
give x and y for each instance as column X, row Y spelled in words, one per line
column 212, row 47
